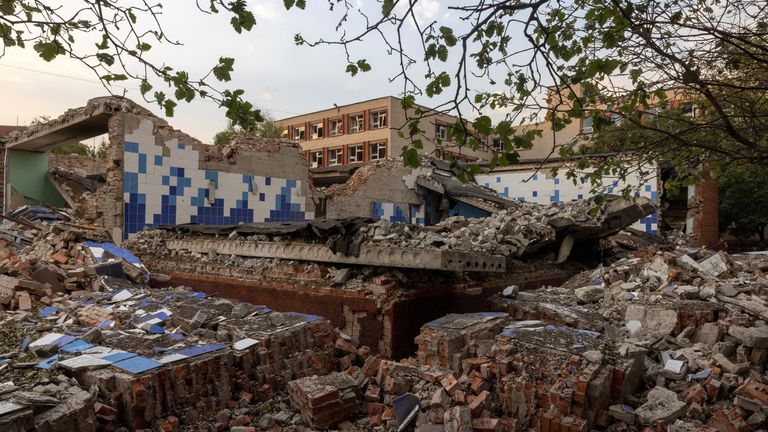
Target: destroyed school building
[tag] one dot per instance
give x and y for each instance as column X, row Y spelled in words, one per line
column 492, row 303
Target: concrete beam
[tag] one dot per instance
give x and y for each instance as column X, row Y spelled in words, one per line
column 431, row 259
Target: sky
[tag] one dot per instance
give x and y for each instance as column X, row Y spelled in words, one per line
column 276, row 75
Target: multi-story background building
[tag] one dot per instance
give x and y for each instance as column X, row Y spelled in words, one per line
column 368, row 131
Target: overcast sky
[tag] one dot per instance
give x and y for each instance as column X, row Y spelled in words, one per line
column 275, row 73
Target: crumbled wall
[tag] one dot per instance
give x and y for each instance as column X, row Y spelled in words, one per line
column 78, row 164
column 539, row 186
column 378, row 191
column 171, row 178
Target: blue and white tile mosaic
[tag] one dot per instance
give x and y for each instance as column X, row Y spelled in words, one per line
column 161, row 190
column 393, row 212
column 542, row 188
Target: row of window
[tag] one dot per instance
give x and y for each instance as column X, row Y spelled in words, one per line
column 355, row 123
column 354, row 153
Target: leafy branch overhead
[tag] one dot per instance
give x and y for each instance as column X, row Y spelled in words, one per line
column 126, row 33
column 519, row 70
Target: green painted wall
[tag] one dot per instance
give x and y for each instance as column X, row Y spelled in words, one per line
column 28, row 175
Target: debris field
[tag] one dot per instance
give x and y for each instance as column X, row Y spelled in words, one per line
column 661, row 336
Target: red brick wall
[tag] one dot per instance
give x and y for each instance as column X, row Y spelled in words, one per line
column 703, row 205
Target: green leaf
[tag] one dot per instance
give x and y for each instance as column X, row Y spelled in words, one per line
column 7, row 7
column 49, row 50
column 352, row 69
column 483, row 125
column 408, row 102
column 448, row 36
column 442, row 53
column 411, row 157
column 145, row 87
column 386, row 7
column 301, row 4
column 289, row 3
column 104, row 42
column 363, row 65
column 144, row 47
column 169, row 106
column 224, row 69
column 107, row 59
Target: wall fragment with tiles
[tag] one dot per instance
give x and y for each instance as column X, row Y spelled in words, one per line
column 541, row 187
column 393, row 212
column 165, row 182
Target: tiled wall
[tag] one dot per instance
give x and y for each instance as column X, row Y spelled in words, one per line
column 542, row 188
column 393, row 212
column 173, row 189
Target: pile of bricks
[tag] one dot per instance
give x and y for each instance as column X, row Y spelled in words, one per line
column 324, row 401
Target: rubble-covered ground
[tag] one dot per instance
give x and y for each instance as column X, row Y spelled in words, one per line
column 666, row 338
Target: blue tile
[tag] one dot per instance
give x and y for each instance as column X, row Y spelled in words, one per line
column 535, row 193
column 647, row 188
column 268, row 180
column 49, row 362
column 137, row 364
column 120, row 356
column 76, row 346
column 557, row 180
column 131, row 147
column 159, row 160
column 142, row 163
column 174, row 171
column 182, row 146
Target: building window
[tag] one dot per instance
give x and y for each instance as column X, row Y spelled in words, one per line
column 651, row 114
column 688, row 110
column 316, row 159
column 299, row 133
column 378, row 119
column 377, row 150
column 356, row 123
column 316, row 130
column 586, row 125
column 496, row 145
column 335, row 156
column 441, row 131
column 356, row 154
column 336, row 127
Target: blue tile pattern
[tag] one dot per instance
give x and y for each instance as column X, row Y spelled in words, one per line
column 541, row 188
column 393, row 212
column 162, row 189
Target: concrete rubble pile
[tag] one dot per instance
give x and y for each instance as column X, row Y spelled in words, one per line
column 513, row 232
column 92, row 347
column 678, row 342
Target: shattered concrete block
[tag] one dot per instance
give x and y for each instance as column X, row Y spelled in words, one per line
column 662, row 405
column 653, row 320
column 589, row 294
column 753, row 337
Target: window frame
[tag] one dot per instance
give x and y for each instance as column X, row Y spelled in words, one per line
column 350, row 148
column 315, row 164
column 586, row 129
column 297, row 128
column 331, row 129
column 339, row 159
column 378, row 144
column 322, row 130
column 361, row 124
column 379, row 112
column 438, row 128
column 496, row 145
